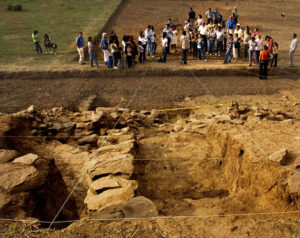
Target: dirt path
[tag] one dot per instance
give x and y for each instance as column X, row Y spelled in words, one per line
column 155, row 92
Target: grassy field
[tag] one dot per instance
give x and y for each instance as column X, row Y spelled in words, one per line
column 61, row 19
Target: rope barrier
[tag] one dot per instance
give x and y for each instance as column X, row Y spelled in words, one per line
column 153, row 218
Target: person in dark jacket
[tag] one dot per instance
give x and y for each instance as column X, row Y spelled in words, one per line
column 192, row 17
column 114, row 37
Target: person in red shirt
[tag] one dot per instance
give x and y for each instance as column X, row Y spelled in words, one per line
column 264, row 60
column 270, row 44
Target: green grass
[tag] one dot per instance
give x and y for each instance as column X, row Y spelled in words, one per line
column 61, row 19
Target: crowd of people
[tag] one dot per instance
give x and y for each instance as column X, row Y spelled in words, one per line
column 201, row 37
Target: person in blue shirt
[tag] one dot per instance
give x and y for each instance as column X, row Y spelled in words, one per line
column 216, row 16
column 80, row 45
column 231, row 23
column 104, row 47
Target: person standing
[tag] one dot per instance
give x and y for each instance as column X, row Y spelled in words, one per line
column 275, row 55
column 246, row 39
column 192, row 17
column 148, row 35
column 141, row 51
column 36, row 42
column 185, row 44
column 259, row 43
column 235, row 47
column 209, row 15
column 220, row 38
column 228, row 49
column 144, row 40
column 200, row 48
column 235, row 14
column 203, row 30
column 153, row 41
column 263, row 63
column 293, row 47
column 230, row 25
column 104, row 47
column 115, row 53
column 114, row 37
column 238, row 30
column 174, row 39
column 211, row 40
column 216, row 16
column 252, row 51
column 200, row 20
column 80, row 45
column 164, row 43
column 92, row 52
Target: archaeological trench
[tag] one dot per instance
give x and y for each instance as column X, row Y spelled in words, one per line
column 137, row 164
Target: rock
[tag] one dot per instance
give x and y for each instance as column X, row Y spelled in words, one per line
column 31, row 109
column 7, row 155
column 96, row 116
column 126, row 147
column 294, row 185
column 114, row 115
column 69, row 125
column 281, row 156
column 112, row 211
column 140, row 207
column 19, row 177
column 107, row 164
column 114, row 139
column 80, row 125
column 109, row 182
column 4, row 200
column 27, row 159
column 98, row 202
column 91, row 139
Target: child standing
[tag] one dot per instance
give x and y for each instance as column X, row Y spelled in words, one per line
column 275, row 55
column 200, row 42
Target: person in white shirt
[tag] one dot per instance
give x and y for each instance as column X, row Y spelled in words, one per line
column 252, row 51
column 209, row 15
column 238, row 30
column 293, row 47
column 220, row 38
column 148, row 35
column 143, row 39
column 169, row 32
column 174, row 40
column 185, row 44
column 164, row 43
column 203, row 29
column 259, row 43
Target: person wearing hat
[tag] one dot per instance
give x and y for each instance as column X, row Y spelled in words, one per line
column 238, row 30
column 293, row 47
column 80, row 45
column 104, row 47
